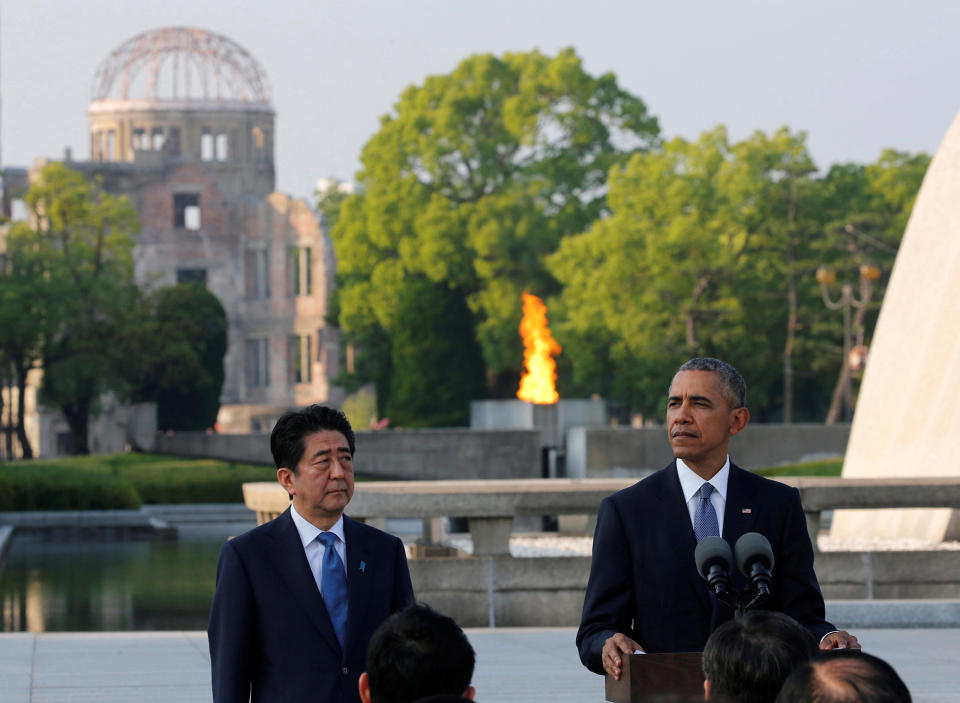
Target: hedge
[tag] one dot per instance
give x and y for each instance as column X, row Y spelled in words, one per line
column 121, row 481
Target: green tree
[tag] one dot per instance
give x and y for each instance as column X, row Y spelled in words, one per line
column 28, row 318
column 653, row 283
column 81, row 248
column 175, row 356
column 864, row 212
column 471, row 180
column 433, row 384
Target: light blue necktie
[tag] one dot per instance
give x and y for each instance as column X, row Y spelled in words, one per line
column 705, row 518
column 333, row 585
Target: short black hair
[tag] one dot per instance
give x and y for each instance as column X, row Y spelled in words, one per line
column 844, row 676
column 287, row 438
column 734, row 387
column 416, row 653
column 747, row 659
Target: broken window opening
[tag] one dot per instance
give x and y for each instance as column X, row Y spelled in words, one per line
column 138, row 139
column 111, row 143
column 192, row 276
column 173, row 141
column 257, row 366
column 206, row 147
column 222, row 147
column 258, row 274
column 19, row 212
column 307, row 269
column 157, row 139
column 186, row 211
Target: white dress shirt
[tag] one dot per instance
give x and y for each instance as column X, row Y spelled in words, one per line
column 690, row 483
column 313, row 548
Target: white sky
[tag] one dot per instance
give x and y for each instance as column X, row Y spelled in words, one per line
column 858, row 76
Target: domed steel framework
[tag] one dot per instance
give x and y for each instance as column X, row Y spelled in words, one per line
column 182, row 64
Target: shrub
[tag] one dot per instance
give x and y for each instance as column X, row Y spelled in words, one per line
column 122, row 481
column 24, row 486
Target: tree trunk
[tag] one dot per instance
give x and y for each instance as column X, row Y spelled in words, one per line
column 25, row 448
column 78, row 418
column 3, row 385
column 836, row 401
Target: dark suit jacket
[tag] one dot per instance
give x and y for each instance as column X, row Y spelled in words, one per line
column 643, row 578
column 269, row 631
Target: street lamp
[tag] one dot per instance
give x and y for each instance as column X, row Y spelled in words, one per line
column 854, row 356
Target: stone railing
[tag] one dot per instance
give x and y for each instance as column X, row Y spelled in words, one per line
column 490, row 506
column 819, row 494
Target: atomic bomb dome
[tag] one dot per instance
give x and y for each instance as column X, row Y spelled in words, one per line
column 182, row 123
column 182, row 65
column 182, row 95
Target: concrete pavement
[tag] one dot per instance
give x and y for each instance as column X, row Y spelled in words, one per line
column 513, row 665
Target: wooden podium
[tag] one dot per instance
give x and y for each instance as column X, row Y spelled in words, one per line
column 646, row 676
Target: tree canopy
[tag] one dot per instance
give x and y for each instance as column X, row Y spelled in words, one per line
column 470, row 182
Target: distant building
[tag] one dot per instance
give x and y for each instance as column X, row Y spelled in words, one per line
column 181, row 122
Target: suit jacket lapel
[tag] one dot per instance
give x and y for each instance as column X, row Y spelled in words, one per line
column 740, row 512
column 292, row 566
column 358, row 583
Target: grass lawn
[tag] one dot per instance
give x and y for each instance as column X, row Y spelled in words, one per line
column 827, row 467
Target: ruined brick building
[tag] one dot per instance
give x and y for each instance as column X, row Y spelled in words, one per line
column 181, row 122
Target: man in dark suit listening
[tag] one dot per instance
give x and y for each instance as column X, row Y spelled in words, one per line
column 644, row 592
column 298, row 598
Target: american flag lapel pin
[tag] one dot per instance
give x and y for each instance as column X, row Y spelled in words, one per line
column 746, row 511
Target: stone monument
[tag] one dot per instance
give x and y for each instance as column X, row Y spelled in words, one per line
column 906, row 423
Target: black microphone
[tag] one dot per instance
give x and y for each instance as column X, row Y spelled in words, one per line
column 755, row 561
column 714, row 563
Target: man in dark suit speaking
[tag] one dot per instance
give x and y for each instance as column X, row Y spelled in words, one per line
column 644, row 592
column 298, row 598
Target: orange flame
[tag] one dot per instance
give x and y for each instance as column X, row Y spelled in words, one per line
column 538, row 384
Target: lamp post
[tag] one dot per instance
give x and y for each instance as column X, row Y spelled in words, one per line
column 854, row 357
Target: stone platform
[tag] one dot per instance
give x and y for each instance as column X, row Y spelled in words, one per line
column 529, row 664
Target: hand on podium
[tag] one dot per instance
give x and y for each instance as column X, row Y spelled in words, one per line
column 613, row 649
column 841, row 639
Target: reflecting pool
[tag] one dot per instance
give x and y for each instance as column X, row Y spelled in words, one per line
column 71, row 587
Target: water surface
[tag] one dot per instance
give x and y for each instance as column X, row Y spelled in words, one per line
column 72, row 587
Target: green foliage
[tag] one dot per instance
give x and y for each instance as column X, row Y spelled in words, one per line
column 360, row 407
column 711, row 249
column 79, row 259
column 25, row 486
column 175, row 356
column 468, row 184
column 434, row 383
column 827, row 468
column 122, row 481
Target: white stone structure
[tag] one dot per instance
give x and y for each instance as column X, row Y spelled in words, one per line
column 906, row 423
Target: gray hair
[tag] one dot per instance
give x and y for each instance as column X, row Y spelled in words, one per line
column 734, row 387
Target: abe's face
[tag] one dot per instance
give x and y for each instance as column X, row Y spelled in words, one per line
column 323, row 482
column 699, row 418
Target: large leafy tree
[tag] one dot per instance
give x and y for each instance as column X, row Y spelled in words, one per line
column 653, row 283
column 472, row 179
column 174, row 356
column 79, row 250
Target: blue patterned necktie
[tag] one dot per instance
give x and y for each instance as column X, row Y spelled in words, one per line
column 705, row 518
column 333, row 585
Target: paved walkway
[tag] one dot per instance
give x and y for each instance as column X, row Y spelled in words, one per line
column 513, row 666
